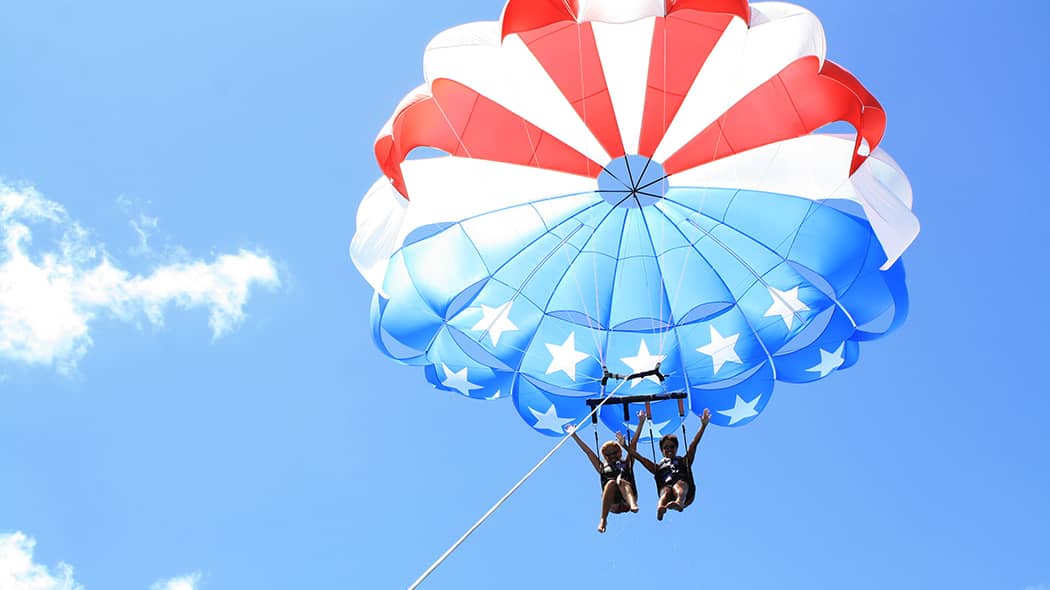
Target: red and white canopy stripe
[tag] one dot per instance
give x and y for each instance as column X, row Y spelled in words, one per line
column 720, row 92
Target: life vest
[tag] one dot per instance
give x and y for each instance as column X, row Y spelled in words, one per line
column 673, row 469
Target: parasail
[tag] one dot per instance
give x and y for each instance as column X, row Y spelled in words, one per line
column 595, row 186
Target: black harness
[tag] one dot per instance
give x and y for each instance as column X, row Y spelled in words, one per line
column 671, row 470
column 622, row 468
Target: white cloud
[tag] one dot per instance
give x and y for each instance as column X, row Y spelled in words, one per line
column 187, row 582
column 143, row 225
column 18, row 572
column 48, row 299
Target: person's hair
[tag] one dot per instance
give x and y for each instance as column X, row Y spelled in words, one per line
column 668, row 438
column 608, row 445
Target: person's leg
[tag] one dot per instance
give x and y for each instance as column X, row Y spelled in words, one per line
column 681, row 492
column 661, row 505
column 608, row 497
column 627, row 491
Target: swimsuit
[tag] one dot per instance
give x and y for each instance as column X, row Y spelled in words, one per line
column 614, row 471
column 672, row 470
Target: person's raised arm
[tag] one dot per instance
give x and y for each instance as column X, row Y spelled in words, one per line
column 571, row 429
column 632, row 449
column 691, row 453
column 637, row 433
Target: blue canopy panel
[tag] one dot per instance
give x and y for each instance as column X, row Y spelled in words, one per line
column 729, row 290
column 735, row 402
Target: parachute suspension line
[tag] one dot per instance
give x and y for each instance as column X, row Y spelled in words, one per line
column 597, row 311
column 569, row 260
column 664, row 124
column 448, row 122
column 518, row 290
column 647, row 399
column 594, row 424
column 592, row 322
column 672, row 323
column 754, row 331
column 654, row 372
column 568, row 8
column 626, row 421
column 663, row 120
column 652, row 445
column 656, row 257
column 681, row 414
column 583, row 77
column 758, row 278
column 532, row 144
column 814, row 206
column 643, row 234
column 672, row 320
column 509, row 493
column 681, row 274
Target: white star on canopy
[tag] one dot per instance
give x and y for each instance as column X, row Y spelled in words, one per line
column 550, row 420
column 643, row 361
column 565, row 357
column 741, row 410
column 495, row 321
column 722, row 350
column 650, row 429
column 829, row 361
column 458, row 380
column 785, row 304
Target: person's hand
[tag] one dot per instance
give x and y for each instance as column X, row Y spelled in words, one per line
column 620, row 439
column 706, row 417
column 642, row 416
column 570, row 429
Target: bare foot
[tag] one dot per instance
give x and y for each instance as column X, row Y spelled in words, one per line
column 674, row 506
column 601, row 526
column 660, row 512
column 634, row 508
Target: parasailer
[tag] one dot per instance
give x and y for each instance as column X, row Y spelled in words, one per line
column 619, row 492
column 674, row 472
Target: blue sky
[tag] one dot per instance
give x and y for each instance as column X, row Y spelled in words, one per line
column 206, row 409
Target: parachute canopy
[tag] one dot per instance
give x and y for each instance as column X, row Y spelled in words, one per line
column 610, row 184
